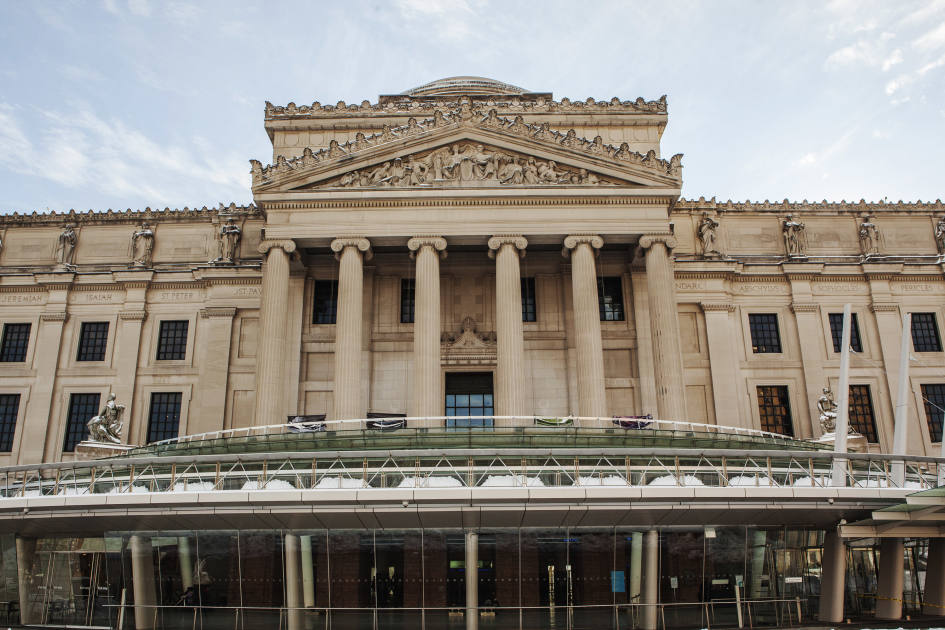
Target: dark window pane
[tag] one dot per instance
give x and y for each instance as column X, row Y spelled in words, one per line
column 9, row 407
column 529, row 314
column 925, row 337
column 764, row 332
column 172, row 340
column 93, row 339
column 774, row 408
column 469, row 394
column 82, row 408
column 164, row 417
column 861, row 412
column 933, row 396
column 610, row 299
column 325, row 310
column 407, row 300
column 16, row 339
column 836, row 332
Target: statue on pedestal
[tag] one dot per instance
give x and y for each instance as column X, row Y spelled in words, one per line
column 870, row 237
column 230, row 235
column 65, row 247
column 828, row 411
column 106, row 426
column 708, row 236
column 142, row 246
column 940, row 235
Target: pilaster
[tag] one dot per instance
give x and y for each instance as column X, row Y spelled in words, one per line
column 723, row 363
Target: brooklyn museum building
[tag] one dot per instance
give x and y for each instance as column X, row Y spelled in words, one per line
column 469, row 361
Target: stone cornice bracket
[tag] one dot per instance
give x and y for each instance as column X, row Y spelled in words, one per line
column 725, row 307
column 804, row 307
column 573, row 240
column 878, row 307
column 133, row 315
column 288, row 246
column 647, row 240
column 518, row 241
column 364, row 246
column 218, row 311
column 53, row 316
column 438, row 243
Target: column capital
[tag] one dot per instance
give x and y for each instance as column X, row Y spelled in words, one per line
column 438, row 243
column 647, row 240
column 364, row 246
column 288, row 245
column 724, row 307
column 518, row 241
column 573, row 240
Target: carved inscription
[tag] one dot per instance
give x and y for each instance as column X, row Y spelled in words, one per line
column 248, row 292
column 95, row 298
column 689, row 286
column 832, row 288
column 761, row 289
column 919, row 287
column 22, row 299
column 175, row 296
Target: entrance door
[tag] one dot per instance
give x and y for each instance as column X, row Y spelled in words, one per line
column 469, row 394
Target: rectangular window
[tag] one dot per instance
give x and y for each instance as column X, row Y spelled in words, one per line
column 861, row 412
column 836, row 332
column 16, row 339
column 934, row 398
column 764, row 333
column 82, row 408
column 93, row 339
column 925, row 337
column 408, row 292
column 469, row 394
column 164, row 417
column 529, row 313
column 774, row 408
column 610, row 299
column 9, row 408
column 172, row 340
column 325, row 309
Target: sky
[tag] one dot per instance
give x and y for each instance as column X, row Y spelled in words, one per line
column 139, row 103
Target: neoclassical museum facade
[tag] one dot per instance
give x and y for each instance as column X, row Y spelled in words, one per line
column 469, row 325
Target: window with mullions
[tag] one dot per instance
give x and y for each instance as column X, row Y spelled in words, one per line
column 469, row 394
column 861, row 412
column 836, row 332
column 774, row 409
column 16, row 339
column 529, row 312
column 610, row 299
column 325, row 308
column 93, row 339
column 925, row 337
column 933, row 395
column 408, row 293
column 82, row 408
column 164, row 416
column 172, row 340
column 765, row 337
column 9, row 408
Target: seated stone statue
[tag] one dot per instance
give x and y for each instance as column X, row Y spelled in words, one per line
column 106, row 426
column 828, row 411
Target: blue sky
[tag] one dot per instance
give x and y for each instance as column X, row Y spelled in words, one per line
column 134, row 103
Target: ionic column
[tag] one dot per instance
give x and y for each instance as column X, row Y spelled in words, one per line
column 142, row 579
column 351, row 253
column 427, row 379
column 510, row 360
column 664, row 327
column 270, row 356
column 651, row 580
column 472, row 580
column 891, row 574
column 592, row 399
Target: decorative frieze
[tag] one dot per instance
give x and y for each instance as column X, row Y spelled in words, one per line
column 217, row 311
column 725, row 307
column 804, row 307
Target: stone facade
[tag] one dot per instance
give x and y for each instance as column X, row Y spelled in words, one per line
column 460, row 195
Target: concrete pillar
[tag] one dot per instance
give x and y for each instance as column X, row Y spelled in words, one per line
column 723, row 363
column 758, row 548
column 270, row 353
column 651, row 580
column 427, row 377
column 510, row 360
column 891, row 574
column 664, row 327
column 472, row 581
column 308, row 572
column 186, row 562
column 25, row 553
column 934, row 600
column 592, row 397
column 636, row 566
column 214, row 332
column 351, row 253
column 142, row 579
column 833, row 575
column 293, row 582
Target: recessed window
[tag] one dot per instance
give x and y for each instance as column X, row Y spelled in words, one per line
column 82, row 408
column 408, row 293
column 529, row 312
column 765, row 337
column 774, row 409
column 164, row 416
column 93, row 339
column 925, row 337
column 836, row 332
column 9, row 408
column 610, row 299
column 16, row 339
column 469, row 394
column 933, row 396
column 172, row 340
column 325, row 310
column 861, row 412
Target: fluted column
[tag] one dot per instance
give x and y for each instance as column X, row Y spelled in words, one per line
column 510, row 359
column 427, row 379
column 592, row 399
column 351, row 253
column 664, row 327
column 270, row 356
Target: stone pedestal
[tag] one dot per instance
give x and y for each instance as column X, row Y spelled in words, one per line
column 856, row 443
column 87, row 449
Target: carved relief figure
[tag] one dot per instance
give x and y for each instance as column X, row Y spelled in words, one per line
column 870, row 237
column 828, row 411
column 940, row 235
column 230, row 235
column 794, row 236
column 106, row 426
column 142, row 246
column 65, row 248
column 708, row 235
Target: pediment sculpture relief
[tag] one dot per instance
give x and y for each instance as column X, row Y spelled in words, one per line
column 469, row 337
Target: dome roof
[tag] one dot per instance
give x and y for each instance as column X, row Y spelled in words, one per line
column 457, row 86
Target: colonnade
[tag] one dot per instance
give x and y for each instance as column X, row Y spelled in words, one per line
column 427, row 251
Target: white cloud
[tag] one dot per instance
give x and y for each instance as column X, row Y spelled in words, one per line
column 933, row 39
column 819, row 158
column 141, row 8
column 893, row 58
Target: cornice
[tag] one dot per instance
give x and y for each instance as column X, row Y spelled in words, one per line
column 704, row 275
column 127, row 216
column 25, row 288
column 880, row 307
column 53, row 316
column 437, row 202
column 168, row 286
column 101, row 286
column 834, row 207
column 218, row 311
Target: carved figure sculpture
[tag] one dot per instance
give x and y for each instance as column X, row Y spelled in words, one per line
column 794, row 236
column 106, row 426
column 142, row 246
column 828, row 411
column 940, row 235
column 708, row 235
column 870, row 237
column 65, row 248
column 230, row 235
